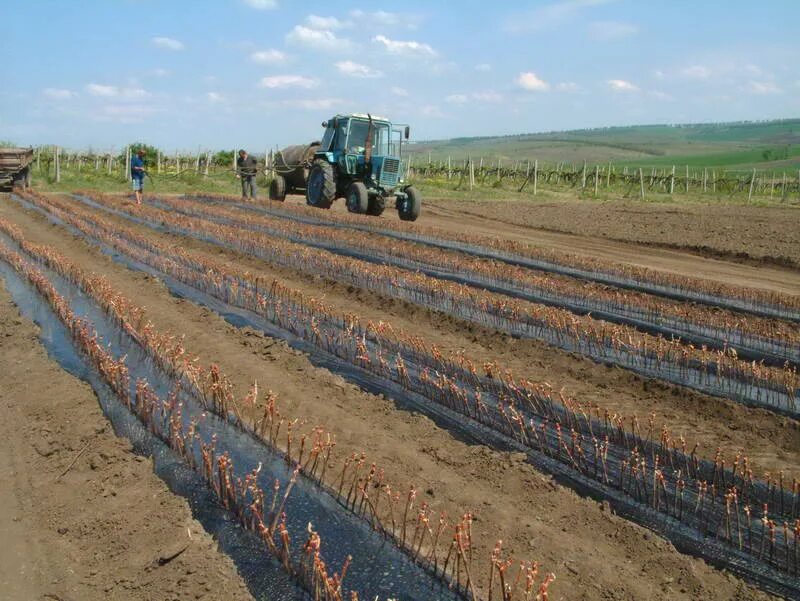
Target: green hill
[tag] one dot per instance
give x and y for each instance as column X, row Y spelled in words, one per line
column 733, row 146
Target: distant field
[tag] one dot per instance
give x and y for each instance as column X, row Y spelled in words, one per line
column 734, row 146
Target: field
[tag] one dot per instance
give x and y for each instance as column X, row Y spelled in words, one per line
column 509, row 399
column 771, row 145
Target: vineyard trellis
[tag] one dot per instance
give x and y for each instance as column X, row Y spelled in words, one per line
column 521, row 175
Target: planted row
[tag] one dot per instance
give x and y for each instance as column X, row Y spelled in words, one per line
column 758, row 301
column 717, row 372
column 430, row 538
column 656, row 473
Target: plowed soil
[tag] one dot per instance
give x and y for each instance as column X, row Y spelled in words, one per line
column 96, row 528
column 595, row 554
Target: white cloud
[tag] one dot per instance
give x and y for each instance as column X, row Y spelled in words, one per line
column 167, row 43
column 567, row 86
column 58, row 93
column 268, row 57
column 405, row 48
column 696, row 72
column 620, row 85
column 262, row 4
column 124, row 113
column 319, row 39
column 352, row 69
column 386, row 19
column 398, row 91
column 288, row 81
column 482, row 96
column 550, row 16
column 106, row 91
column 159, row 72
column 659, row 95
column 487, row 96
column 530, row 81
column 215, row 97
column 431, row 110
column 763, row 87
column 457, row 99
column 483, row 67
column 331, row 23
column 606, row 31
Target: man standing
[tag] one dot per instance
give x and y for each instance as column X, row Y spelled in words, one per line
column 137, row 174
column 247, row 168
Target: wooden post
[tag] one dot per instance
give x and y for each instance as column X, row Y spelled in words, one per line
column 127, row 163
column 596, row 178
column 641, row 183
column 714, row 181
column 197, row 162
column 608, row 176
column 705, row 179
column 39, row 159
column 771, row 184
column 783, row 186
column 233, row 161
column 471, row 174
column 583, row 179
column 687, row 179
column 158, row 162
column 672, row 181
column 752, row 181
column 58, row 164
column 449, row 167
column 535, row 175
column 177, row 163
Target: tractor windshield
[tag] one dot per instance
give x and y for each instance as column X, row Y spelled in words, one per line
column 356, row 141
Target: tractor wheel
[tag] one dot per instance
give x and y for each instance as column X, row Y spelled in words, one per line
column 277, row 188
column 376, row 205
column 409, row 209
column 321, row 186
column 357, row 198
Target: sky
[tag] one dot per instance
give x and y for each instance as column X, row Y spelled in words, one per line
column 204, row 74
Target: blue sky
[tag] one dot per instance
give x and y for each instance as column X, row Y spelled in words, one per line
column 261, row 73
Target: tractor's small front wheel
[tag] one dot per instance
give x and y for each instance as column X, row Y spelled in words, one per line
column 409, row 208
column 277, row 188
column 377, row 204
column 357, row 198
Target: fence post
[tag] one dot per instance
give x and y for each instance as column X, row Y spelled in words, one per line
column 535, row 174
column 58, row 164
column 583, row 179
column 471, row 174
column 687, row 179
column 641, row 182
column 596, row 178
column 752, row 181
column 608, row 176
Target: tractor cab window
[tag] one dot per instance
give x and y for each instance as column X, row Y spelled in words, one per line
column 357, row 140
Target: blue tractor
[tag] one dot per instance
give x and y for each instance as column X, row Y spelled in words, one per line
column 359, row 159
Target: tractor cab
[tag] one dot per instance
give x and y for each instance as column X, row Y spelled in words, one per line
column 360, row 159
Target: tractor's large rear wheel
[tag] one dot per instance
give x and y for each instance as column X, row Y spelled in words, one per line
column 321, row 186
column 277, row 188
column 409, row 208
column 357, row 198
column 376, row 206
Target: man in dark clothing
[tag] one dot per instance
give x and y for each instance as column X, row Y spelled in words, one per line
column 247, row 168
column 137, row 174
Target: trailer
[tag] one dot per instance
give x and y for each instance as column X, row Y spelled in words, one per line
column 15, row 168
